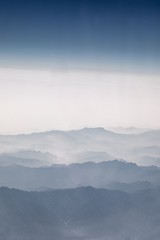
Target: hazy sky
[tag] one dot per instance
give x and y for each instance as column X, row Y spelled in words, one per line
column 71, row 64
column 43, row 100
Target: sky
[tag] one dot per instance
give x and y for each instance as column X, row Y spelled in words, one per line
column 73, row 64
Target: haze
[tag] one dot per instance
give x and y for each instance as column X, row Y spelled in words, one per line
column 39, row 100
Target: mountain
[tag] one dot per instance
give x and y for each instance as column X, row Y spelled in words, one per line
column 93, row 144
column 61, row 176
column 79, row 188
column 82, row 213
column 90, row 156
column 130, row 187
column 148, row 160
column 129, row 130
column 27, row 158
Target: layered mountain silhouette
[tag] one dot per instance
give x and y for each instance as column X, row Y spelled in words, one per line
column 88, row 144
column 87, row 184
column 100, row 175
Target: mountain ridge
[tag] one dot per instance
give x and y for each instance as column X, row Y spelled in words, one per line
column 81, row 213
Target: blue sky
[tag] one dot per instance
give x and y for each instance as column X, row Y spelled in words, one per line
column 117, row 33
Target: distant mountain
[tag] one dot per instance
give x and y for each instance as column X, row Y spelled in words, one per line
column 26, row 162
column 27, row 158
column 82, row 213
column 87, row 144
column 99, row 175
column 130, row 187
column 31, row 154
column 90, row 156
column 148, row 160
column 129, row 130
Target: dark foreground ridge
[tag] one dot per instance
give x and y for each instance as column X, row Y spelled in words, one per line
column 81, row 213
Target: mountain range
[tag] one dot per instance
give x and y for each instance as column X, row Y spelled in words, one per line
column 87, row 184
column 78, row 146
column 109, row 174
